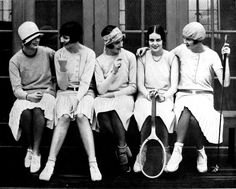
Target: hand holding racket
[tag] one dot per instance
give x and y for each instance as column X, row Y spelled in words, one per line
column 158, row 96
column 152, row 152
column 225, row 51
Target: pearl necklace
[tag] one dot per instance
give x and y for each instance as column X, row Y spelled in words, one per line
column 156, row 59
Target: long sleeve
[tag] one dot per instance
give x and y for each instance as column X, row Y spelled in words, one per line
column 16, row 81
column 102, row 82
column 141, row 87
column 86, row 75
column 121, row 83
column 132, row 87
column 62, row 77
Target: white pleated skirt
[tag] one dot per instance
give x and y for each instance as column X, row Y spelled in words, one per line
column 64, row 105
column 143, row 109
column 47, row 104
column 202, row 107
column 123, row 105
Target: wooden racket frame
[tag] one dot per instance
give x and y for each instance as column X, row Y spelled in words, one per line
column 153, row 136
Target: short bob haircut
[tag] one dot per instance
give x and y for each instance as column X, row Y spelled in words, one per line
column 72, row 29
column 158, row 29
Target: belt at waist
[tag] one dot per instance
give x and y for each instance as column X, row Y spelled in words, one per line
column 72, row 88
column 195, row 91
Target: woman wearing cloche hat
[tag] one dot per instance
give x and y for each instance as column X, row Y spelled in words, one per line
column 194, row 102
column 31, row 81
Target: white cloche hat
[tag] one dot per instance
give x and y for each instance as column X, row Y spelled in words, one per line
column 28, row 31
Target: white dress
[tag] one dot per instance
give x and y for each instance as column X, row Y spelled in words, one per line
column 124, row 85
column 156, row 76
column 197, row 72
column 80, row 69
column 28, row 75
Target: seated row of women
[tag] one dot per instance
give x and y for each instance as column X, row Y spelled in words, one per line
column 106, row 101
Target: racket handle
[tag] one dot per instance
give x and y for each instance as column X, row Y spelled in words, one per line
column 153, row 113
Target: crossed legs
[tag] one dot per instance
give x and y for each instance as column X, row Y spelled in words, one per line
column 185, row 120
column 111, row 121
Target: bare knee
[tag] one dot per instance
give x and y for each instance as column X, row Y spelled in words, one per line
column 81, row 118
column 64, row 121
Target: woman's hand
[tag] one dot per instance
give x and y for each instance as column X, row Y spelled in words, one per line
column 74, row 106
column 162, row 95
column 34, row 97
column 141, row 51
column 225, row 50
column 151, row 94
column 62, row 62
column 116, row 65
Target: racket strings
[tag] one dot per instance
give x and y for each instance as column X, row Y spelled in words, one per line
column 152, row 158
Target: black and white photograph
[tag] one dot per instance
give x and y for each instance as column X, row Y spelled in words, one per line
column 115, row 94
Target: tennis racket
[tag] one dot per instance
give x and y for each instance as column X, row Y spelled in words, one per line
column 152, row 152
column 216, row 168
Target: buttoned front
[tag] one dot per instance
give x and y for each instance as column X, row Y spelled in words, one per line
column 200, row 68
column 79, row 69
column 74, row 82
column 197, row 73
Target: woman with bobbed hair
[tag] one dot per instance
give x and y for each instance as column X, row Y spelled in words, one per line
column 115, row 74
column 157, row 75
column 74, row 65
column 194, row 102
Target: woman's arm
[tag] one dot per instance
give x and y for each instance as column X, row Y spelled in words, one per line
column 174, row 78
column 140, row 78
column 102, row 82
column 86, row 76
column 219, row 72
column 16, row 81
column 132, row 86
column 61, row 72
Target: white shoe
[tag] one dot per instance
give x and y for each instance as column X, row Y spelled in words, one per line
column 140, row 160
column 35, row 163
column 28, row 158
column 47, row 172
column 175, row 158
column 168, row 155
column 202, row 161
column 94, row 172
column 137, row 167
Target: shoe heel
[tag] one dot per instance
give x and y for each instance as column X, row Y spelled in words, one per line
column 123, row 154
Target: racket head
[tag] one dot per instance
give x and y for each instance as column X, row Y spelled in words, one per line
column 152, row 157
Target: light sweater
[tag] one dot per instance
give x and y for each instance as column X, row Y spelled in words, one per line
column 29, row 74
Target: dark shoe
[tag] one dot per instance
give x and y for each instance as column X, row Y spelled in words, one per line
column 123, row 154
